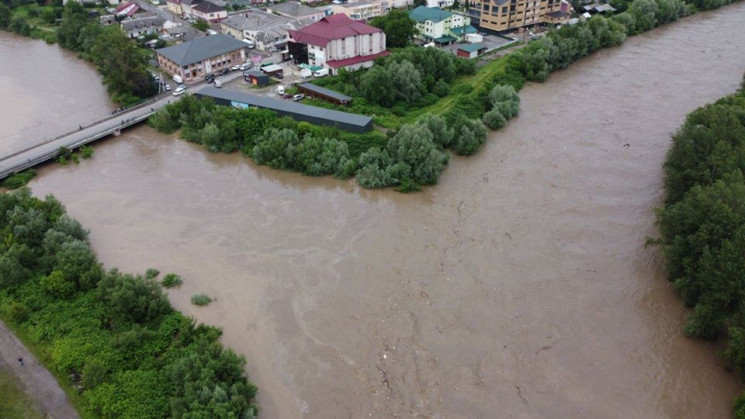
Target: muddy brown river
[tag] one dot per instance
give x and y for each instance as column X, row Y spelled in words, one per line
column 516, row 288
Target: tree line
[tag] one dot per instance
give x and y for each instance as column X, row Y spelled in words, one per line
column 117, row 58
column 561, row 47
column 115, row 335
column 702, row 224
column 409, row 157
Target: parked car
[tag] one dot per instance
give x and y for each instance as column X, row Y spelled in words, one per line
column 245, row 66
column 209, row 78
column 179, row 91
column 298, row 97
column 235, row 67
column 178, row 79
column 167, row 87
column 223, row 72
column 218, row 83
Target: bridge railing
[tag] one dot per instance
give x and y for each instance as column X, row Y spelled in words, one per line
column 108, row 118
column 51, row 154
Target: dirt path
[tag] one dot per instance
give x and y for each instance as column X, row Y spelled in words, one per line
column 39, row 382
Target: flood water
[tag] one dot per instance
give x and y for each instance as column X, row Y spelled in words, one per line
column 46, row 91
column 517, row 287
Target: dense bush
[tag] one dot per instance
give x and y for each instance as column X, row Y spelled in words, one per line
column 17, row 180
column 127, row 351
column 200, row 299
column 703, row 224
column 405, row 78
column 171, row 280
column 411, row 159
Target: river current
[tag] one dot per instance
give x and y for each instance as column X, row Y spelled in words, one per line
column 519, row 286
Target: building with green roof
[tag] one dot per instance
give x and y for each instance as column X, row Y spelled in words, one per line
column 440, row 26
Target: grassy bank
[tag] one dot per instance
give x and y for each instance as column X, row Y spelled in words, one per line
column 112, row 340
column 14, row 402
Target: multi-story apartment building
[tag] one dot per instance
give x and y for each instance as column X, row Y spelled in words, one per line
column 505, row 15
column 361, row 10
column 337, row 42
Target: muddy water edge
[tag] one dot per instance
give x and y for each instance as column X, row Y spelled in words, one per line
column 517, row 287
column 46, row 91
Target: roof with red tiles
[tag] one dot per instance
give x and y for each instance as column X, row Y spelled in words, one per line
column 330, row 28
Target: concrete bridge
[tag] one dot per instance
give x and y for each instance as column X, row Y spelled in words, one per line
column 42, row 151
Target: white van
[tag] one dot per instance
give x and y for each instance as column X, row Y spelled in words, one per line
column 218, row 83
column 178, row 79
column 322, row 72
column 280, row 90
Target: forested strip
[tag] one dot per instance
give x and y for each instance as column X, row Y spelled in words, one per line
column 113, row 337
column 702, row 224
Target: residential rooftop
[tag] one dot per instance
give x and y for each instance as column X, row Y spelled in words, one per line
column 330, row 28
column 313, row 114
column 200, row 49
column 424, row 13
column 208, row 7
column 294, row 9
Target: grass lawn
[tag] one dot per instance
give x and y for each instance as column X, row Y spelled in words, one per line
column 14, row 402
column 482, row 76
column 387, row 119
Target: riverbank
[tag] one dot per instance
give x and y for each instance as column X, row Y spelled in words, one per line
column 535, row 242
column 34, row 380
column 702, row 225
column 112, row 339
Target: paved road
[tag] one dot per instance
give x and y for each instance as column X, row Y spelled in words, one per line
column 39, row 382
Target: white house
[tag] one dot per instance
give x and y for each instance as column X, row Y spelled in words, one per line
column 337, row 42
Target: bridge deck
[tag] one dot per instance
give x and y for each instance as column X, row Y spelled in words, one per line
column 47, row 150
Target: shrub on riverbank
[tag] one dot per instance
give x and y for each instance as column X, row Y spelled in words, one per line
column 115, row 335
column 702, row 224
column 19, row 179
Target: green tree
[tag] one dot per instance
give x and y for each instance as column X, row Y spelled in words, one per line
column 494, row 119
column 201, row 25
column 415, row 156
column 374, row 86
column 442, row 135
column 124, row 72
column 73, row 21
column 399, row 28
column 470, row 135
column 405, row 81
column 5, row 15
column 132, row 299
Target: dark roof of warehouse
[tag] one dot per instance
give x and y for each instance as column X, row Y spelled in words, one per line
column 326, row 92
column 287, row 106
column 200, row 49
